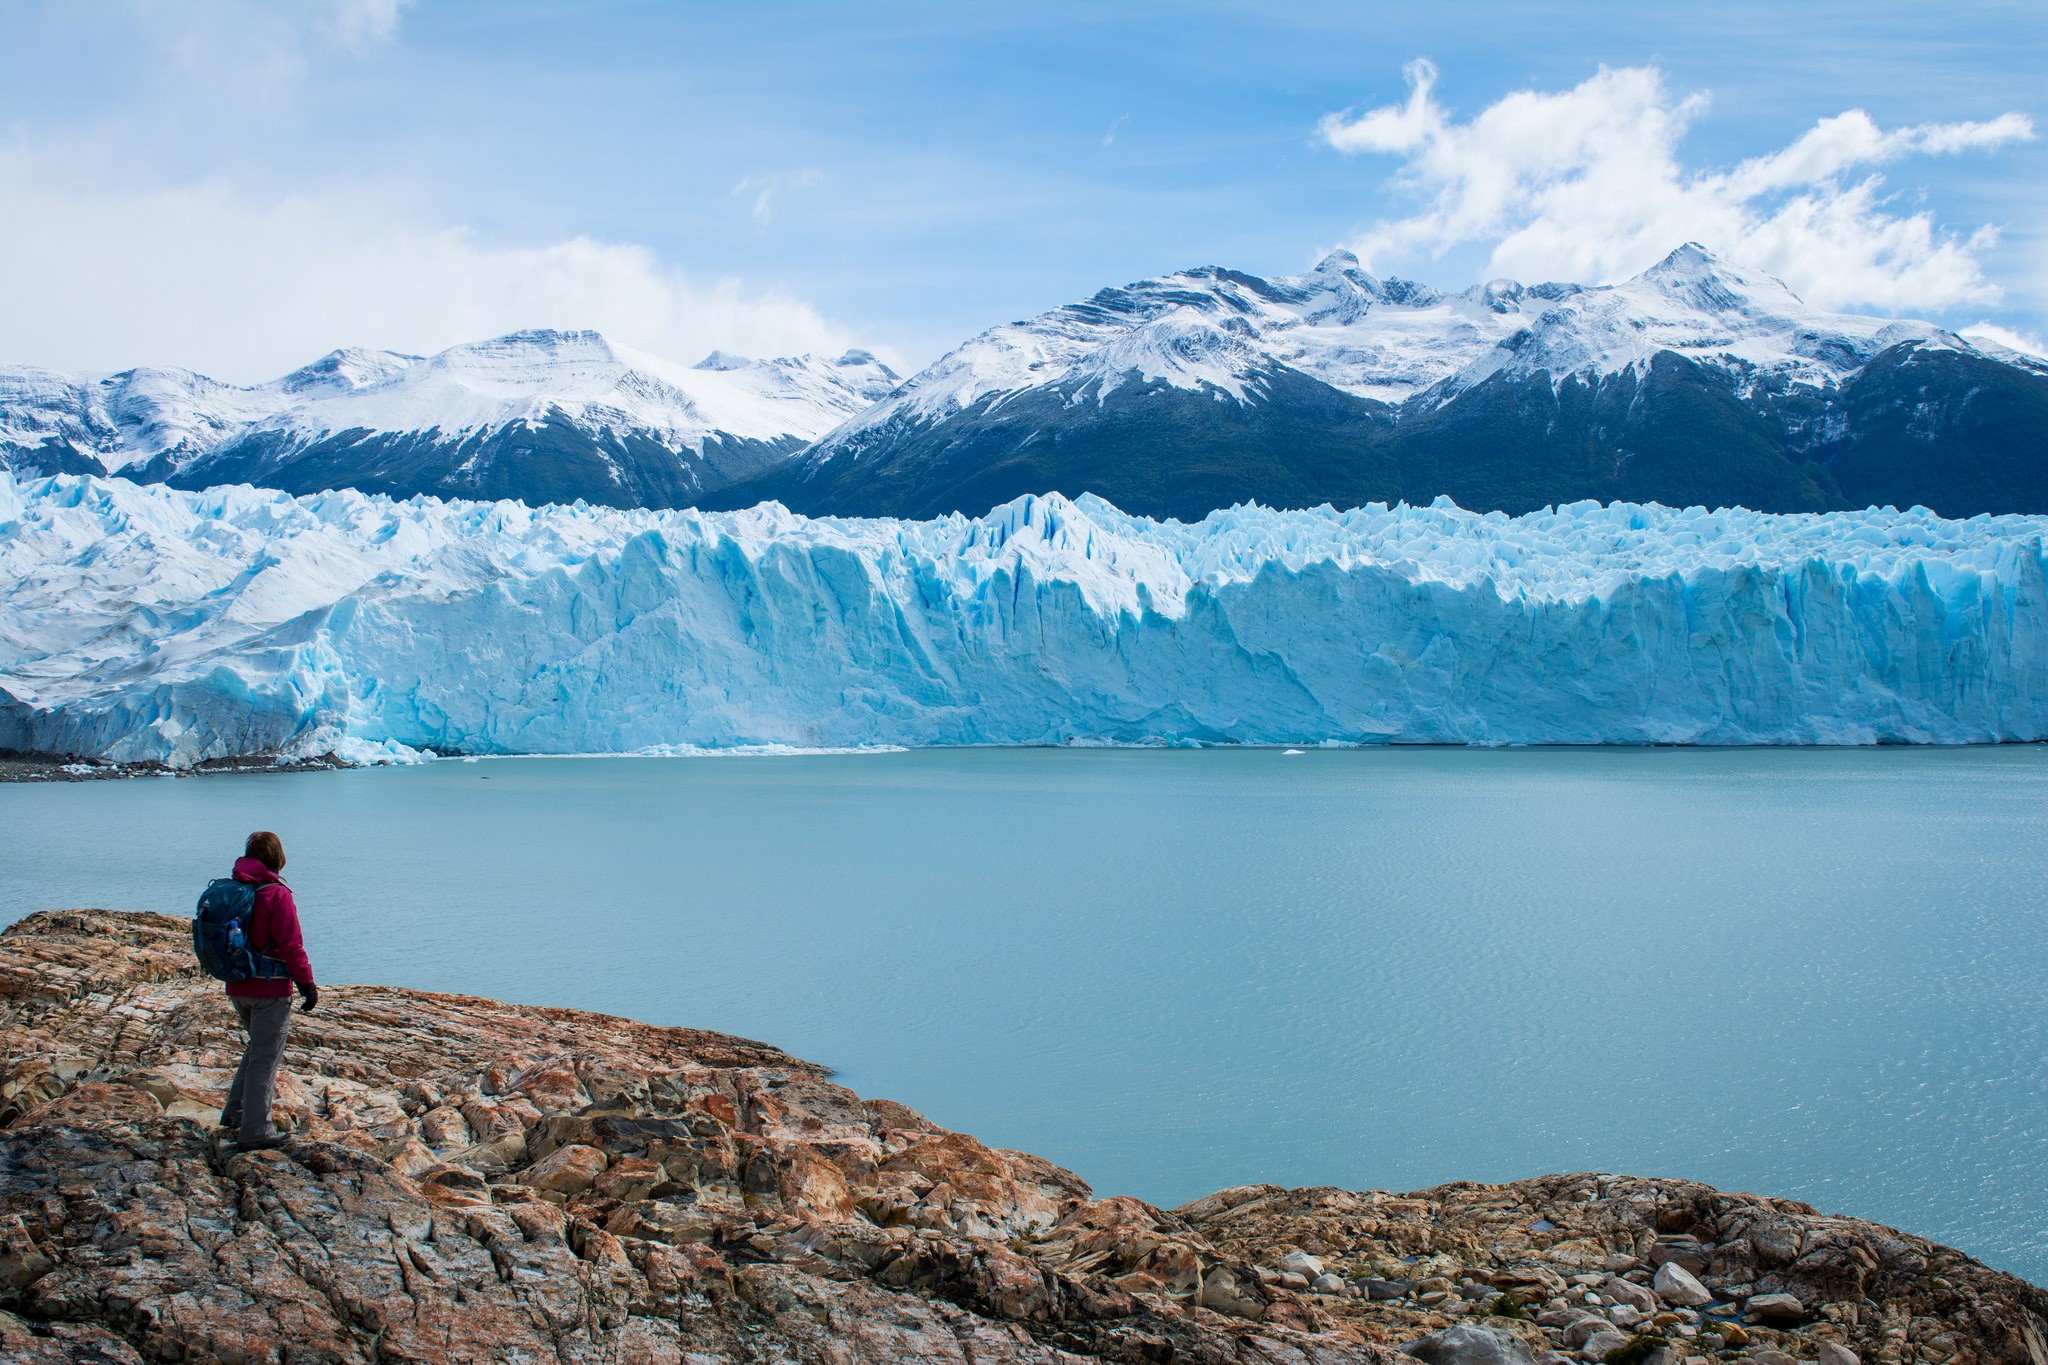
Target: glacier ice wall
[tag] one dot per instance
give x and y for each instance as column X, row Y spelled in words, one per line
column 140, row 623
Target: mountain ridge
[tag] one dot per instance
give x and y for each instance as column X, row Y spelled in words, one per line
column 1696, row 381
column 542, row 414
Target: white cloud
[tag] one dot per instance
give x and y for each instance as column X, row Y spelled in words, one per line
column 764, row 188
column 2029, row 343
column 1586, row 184
column 245, row 288
column 365, row 24
column 1109, row 135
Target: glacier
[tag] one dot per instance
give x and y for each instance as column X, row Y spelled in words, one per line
column 144, row 624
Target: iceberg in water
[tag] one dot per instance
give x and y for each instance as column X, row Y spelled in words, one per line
column 140, row 623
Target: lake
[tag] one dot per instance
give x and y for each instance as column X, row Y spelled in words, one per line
column 1812, row 973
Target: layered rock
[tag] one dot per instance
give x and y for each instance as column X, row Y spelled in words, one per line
column 473, row 1181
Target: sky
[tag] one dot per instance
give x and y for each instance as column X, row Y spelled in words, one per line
column 238, row 188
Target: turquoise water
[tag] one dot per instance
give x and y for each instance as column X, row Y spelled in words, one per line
column 1809, row 973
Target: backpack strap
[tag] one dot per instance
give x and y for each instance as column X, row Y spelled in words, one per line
column 267, row 967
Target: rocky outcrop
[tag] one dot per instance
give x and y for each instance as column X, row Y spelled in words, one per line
column 473, row 1181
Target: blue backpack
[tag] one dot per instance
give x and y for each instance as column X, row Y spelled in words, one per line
column 220, row 933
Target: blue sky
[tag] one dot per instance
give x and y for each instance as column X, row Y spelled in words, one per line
column 238, row 187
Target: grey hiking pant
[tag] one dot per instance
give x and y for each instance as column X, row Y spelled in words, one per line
column 248, row 1106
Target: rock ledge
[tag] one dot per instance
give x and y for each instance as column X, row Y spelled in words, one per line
column 474, row 1181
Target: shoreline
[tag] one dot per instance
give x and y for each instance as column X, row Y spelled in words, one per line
column 23, row 767
column 16, row 766
column 453, row 1163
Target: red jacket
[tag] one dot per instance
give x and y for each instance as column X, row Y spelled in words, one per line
column 274, row 932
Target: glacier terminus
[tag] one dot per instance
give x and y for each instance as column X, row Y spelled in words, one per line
column 148, row 624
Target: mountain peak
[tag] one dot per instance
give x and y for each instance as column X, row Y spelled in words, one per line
column 722, row 360
column 1689, row 258
column 345, row 370
column 1336, row 262
column 1699, row 278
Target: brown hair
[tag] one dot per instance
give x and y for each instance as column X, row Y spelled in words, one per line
column 267, row 849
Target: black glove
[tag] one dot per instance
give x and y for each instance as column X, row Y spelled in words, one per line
column 309, row 996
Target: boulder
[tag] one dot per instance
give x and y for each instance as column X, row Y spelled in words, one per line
column 1630, row 1293
column 1303, row 1264
column 1601, row 1342
column 1578, row 1332
column 1675, row 1285
column 1471, row 1344
column 1686, row 1250
column 566, row 1170
column 630, row 1178
column 1530, row 1281
column 1832, row 1353
column 454, row 1186
column 1775, row 1310
column 1225, row 1291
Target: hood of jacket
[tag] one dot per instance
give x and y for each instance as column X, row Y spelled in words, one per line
column 254, row 870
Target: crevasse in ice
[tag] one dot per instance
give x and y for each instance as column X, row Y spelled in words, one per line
column 143, row 623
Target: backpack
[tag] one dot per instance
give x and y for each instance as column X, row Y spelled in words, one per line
column 220, row 933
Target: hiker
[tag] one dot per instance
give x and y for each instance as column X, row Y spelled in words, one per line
column 263, row 1002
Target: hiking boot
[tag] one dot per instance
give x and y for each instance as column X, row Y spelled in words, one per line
column 269, row 1144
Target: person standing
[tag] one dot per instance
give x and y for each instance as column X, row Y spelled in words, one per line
column 264, row 1004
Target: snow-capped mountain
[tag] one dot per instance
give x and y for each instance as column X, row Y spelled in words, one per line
column 1696, row 381
column 539, row 415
